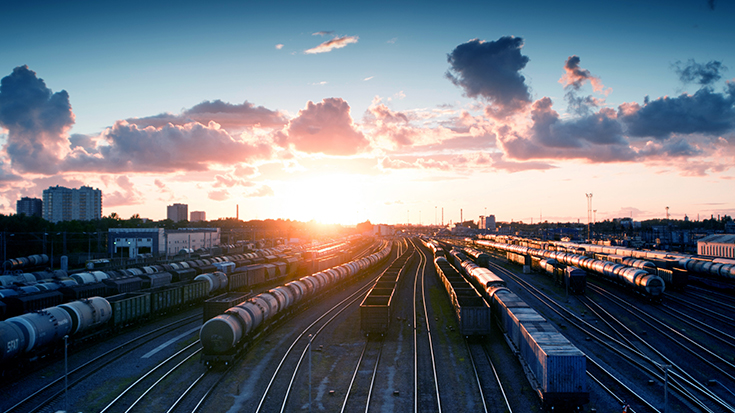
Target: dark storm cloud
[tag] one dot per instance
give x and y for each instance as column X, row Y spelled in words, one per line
column 36, row 119
column 491, row 70
column 704, row 112
column 702, row 74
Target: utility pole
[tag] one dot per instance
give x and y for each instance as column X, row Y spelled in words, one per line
column 589, row 213
column 667, row 213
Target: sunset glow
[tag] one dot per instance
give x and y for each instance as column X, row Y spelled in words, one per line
column 345, row 113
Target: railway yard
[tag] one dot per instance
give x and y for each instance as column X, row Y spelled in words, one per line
column 409, row 324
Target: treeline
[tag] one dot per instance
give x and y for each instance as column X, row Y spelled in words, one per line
column 22, row 235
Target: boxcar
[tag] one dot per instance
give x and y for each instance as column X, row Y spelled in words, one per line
column 129, row 308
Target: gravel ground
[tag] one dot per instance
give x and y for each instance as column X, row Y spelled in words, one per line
column 90, row 394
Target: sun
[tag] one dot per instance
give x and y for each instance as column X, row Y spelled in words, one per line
column 328, row 198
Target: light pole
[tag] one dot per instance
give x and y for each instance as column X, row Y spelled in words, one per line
column 310, row 338
column 66, row 374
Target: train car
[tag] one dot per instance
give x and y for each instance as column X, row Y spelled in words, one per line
column 129, row 308
column 377, row 307
column 25, row 303
column 640, row 281
column 575, row 279
column 557, row 368
column 473, row 313
column 221, row 303
column 224, row 336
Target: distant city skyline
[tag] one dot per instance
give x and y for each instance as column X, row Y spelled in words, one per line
column 380, row 111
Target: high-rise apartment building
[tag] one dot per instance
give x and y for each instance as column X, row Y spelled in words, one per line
column 65, row 204
column 487, row 222
column 197, row 216
column 177, row 212
column 29, row 206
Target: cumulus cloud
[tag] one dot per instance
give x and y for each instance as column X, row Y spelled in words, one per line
column 279, row 46
column 127, row 195
column 702, row 74
column 232, row 117
column 129, row 148
column 37, row 121
column 573, row 79
column 329, row 45
column 597, row 137
column 491, row 70
column 229, row 181
column 704, row 112
column 574, row 76
column 324, row 33
column 218, row 195
column 7, row 176
column 325, row 127
column 264, row 190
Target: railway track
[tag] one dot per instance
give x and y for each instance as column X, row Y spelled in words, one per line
column 625, row 351
column 426, row 387
column 360, row 390
column 488, row 382
column 52, row 394
column 272, row 399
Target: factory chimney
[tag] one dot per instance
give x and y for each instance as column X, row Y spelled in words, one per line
column 461, row 219
column 237, row 211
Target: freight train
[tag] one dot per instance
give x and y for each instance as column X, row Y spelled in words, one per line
column 715, row 268
column 557, row 368
column 223, row 336
column 640, row 281
column 39, row 332
column 23, row 292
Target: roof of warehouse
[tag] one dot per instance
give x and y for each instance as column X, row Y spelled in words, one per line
column 719, row 238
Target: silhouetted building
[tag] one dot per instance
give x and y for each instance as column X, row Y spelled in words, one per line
column 487, row 222
column 65, row 204
column 197, row 216
column 32, row 207
column 177, row 212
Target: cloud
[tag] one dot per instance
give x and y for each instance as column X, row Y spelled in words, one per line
column 574, row 76
column 329, row 45
column 597, row 137
column 702, row 74
column 279, row 46
column 232, row 117
column 322, row 83
column 229, row 181
column 324, row 33
column 7, row 176
column 420, row 163
column 37, row 121
column 263, row 191
column 86, row 142
column 393, row 40
column 368, row 78
column 219, row 195
column 325, row 127
column 491, row 70
column 129, row 148
column 128, row 196
column 704, row 112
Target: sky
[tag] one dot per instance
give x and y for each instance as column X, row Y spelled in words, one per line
column 391, row 112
